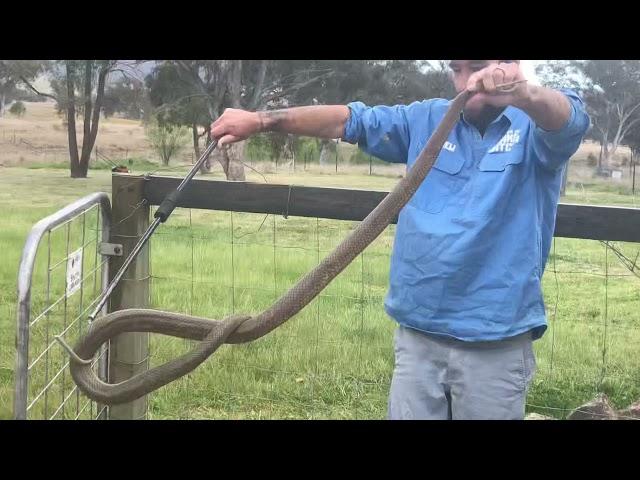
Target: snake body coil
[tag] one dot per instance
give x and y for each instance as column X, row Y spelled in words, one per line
column 240, row 329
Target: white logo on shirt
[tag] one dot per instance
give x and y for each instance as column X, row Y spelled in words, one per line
column 449, row 146
column 507, row 142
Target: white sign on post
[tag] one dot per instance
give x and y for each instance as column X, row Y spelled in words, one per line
column 74, row 272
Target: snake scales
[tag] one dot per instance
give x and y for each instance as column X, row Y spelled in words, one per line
column 211, row 334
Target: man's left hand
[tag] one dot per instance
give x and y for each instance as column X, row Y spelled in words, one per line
column 486, row 83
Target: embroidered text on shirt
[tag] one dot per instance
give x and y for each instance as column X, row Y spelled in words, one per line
column 449, row 146
column 507, row 142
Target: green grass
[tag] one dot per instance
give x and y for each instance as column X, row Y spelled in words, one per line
column 600, row 193
column 333, row 360
column 139, row 165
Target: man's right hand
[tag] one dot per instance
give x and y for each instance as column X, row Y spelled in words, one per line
column 235, row 125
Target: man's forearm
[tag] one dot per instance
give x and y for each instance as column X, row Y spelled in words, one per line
column 548, row 108
column 323, row 121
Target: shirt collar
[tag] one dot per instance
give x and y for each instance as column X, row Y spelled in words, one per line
column 509, row 113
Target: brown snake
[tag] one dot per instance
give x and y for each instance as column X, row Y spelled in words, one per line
column 244, row 328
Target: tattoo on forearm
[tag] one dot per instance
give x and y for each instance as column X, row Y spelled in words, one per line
column 272, row 120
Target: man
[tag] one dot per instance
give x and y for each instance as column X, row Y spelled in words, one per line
column 472, row 243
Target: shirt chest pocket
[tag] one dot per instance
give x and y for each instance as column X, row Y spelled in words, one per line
column 501, row 161
column 442, row 182
column 499, row 177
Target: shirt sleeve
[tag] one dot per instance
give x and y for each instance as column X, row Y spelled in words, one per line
column 381, row 131
column 554, row 148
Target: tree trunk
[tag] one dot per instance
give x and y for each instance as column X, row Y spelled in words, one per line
column 291, row 149
column 233, row 155
column 76, row 171
column 259, row 84
column 603, row 160
column 3, row 100
column 615, row 144
column 325, row 152
column 606, row 154
column 229, row 157
column 599, row 164
column 565, row 176
column 92, row 128
column 206, row 166
column 196, row 143
column 88, row 71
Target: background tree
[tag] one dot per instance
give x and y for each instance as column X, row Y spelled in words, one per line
column 11, row 74
column 167, row 140
column 611, row 90
column 79, row 90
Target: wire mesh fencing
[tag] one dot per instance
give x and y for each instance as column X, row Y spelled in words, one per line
column 335, row 358
column 68, row 275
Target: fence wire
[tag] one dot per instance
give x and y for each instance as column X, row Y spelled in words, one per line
column 335, row 358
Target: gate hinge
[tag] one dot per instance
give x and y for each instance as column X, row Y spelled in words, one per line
column 111, row 249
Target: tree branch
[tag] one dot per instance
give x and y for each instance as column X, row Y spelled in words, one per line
column 28, row 84
column 255, row 100
column 628, row 126
column 133, row 66
column 282, row 80
column 293, row 88
column 184, row 68
column 626, row 116
column 102, row 80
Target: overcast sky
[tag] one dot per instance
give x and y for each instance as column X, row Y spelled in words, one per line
column 529, row 70
column 528, row 67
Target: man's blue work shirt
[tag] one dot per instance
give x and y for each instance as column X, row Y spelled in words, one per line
column 472, row 243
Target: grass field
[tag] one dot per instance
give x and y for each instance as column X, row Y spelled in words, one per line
column 335, row 359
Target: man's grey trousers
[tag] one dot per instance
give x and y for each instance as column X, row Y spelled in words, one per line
column 438, row 379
